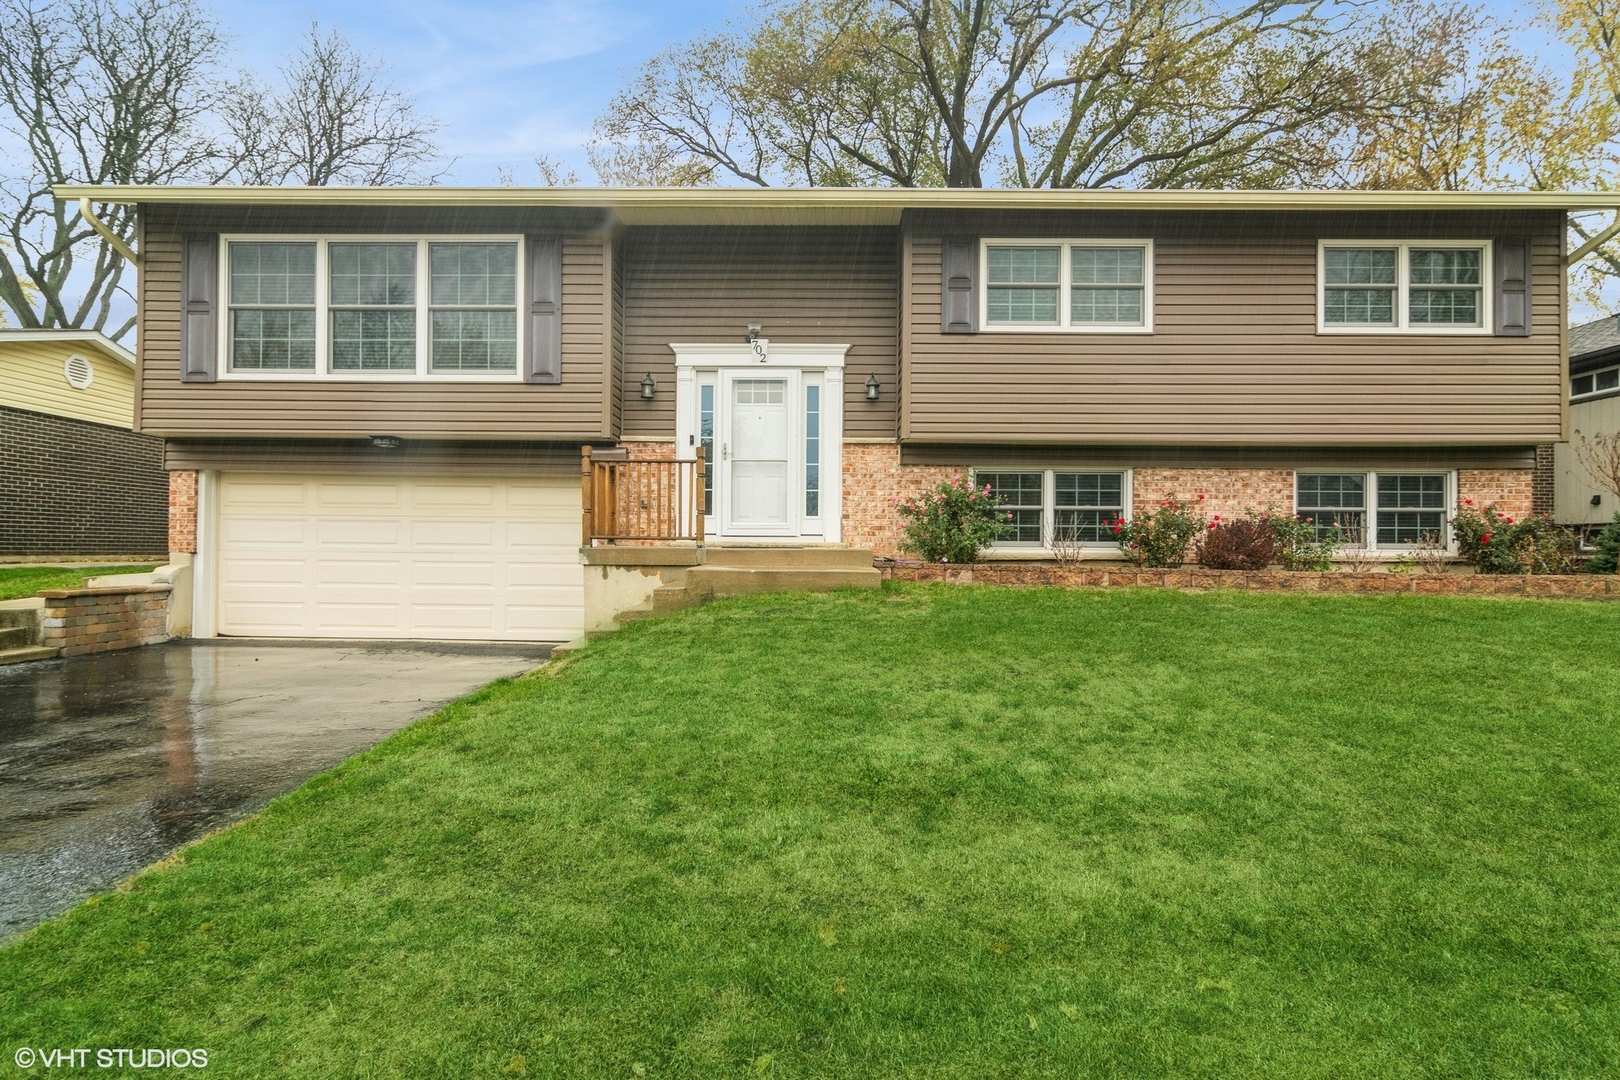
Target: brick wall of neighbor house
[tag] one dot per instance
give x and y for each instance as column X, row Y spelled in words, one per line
column 71, row 487
column 79, row 621
column 1512, row 490
column 183, row 510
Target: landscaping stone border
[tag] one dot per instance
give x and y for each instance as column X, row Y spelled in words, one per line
column 1584, row 586
column 93, row 620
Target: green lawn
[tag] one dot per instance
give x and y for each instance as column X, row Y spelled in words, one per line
column 929, row 832
column 18, row 581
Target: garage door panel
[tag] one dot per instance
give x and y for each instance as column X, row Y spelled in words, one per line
column 336, row 573
column 342, row 497
column 259, row 496
column 453, row 535
column 353, row 532
column 420, row 557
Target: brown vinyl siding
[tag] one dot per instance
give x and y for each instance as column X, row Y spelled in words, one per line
column 416, row 458
column 577, row 408
column 1235, row 356
column 808, row 284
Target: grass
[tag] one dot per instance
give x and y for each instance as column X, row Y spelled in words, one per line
column 929, row 832
column 16, row 581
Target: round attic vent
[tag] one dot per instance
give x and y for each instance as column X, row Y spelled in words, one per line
column 78, row 372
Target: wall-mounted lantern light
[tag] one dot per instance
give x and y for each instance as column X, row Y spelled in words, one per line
column 385, row 442
column 753, row 333
column 872, row 387
column 648, row 387
column 1597, row 500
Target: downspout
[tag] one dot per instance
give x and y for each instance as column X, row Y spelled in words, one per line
column 111, row 237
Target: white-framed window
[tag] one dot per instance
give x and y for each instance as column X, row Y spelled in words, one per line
column 371, row 308
column 1073, row 505
column 1604, row 381
column 1403, row 287
column 1081, row 286
column 1387, row 510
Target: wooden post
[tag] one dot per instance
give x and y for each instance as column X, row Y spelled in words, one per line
column 585, row 494
column 697, row 494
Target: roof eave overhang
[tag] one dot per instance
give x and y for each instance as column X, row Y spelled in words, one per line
column 846, row 206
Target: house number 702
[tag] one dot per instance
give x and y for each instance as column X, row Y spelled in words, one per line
column 762, row 348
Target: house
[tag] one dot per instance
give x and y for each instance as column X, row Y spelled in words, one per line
column 375, row 401
column 75, row 480
column 1594, row 409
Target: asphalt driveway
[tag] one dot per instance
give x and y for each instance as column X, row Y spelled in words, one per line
column 107, row 763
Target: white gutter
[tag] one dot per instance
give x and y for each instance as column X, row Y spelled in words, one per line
column 106, row 233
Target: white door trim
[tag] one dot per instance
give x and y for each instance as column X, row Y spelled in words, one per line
column 827, row 360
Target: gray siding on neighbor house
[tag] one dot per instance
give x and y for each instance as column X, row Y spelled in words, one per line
column 580, row 407
column 801, row 284
column 1234, row 356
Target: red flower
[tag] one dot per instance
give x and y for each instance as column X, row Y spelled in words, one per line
column 1468, row 502
column 1485, row 539
column 1200, row 497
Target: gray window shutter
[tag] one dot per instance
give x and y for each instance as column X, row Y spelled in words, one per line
column 1513, row 287
column 543, row 351
column 959, row 293
column 199, row 316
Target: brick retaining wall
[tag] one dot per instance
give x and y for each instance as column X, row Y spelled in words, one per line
column 79, row 621
column 1595, row 586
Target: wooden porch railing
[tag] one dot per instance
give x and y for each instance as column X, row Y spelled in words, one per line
column 641, row 500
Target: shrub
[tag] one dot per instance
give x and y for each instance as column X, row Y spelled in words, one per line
column 1497, row 544
column 1298, row 547
column 1607, row 559
column 952, row 522
column 1160, row 537
column 1248, row 544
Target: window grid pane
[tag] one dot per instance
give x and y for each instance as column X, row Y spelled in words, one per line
column 1445, row 307
column 278, row 274
column 1021, row 494
column 1023, row 265
column 1608, row 380
column 1429, row 267
column 1004, row 305
column 1088, row 305
column 474, row 340
column 1087, row 505
column 1106, row 266
column 1360, row 266
column 478, row 283
column 1411, row 509
column 372, row 275
column 1375, row 307
column 374, row 340
column 273, row 339
column 1336, row 504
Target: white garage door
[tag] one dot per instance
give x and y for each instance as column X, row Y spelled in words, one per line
column 427, row 557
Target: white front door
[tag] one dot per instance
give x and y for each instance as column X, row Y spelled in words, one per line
column 758, row 473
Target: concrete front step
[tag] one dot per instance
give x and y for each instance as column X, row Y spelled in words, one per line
column 710, row 580
column 26, row 653
column 766, row 557
column 15, row 637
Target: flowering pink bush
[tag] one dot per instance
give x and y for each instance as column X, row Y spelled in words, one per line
column 953, row 522
column 1159, row 537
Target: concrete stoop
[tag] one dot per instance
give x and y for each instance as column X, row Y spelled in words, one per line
column 21, row 627
column 717, row 571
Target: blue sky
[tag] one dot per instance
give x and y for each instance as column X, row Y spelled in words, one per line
column 511, row 78
column 506, row 79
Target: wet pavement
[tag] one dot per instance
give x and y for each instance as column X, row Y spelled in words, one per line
column 108, row 763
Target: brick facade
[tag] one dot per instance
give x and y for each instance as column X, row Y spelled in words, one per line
column 80, row 621
column 1512, row 490
column 874, row 479
column 183, row 511
column 71, row 487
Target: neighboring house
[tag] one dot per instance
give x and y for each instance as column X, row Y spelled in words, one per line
column 1594, row 409
column 74, row 479
column 374, row 401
